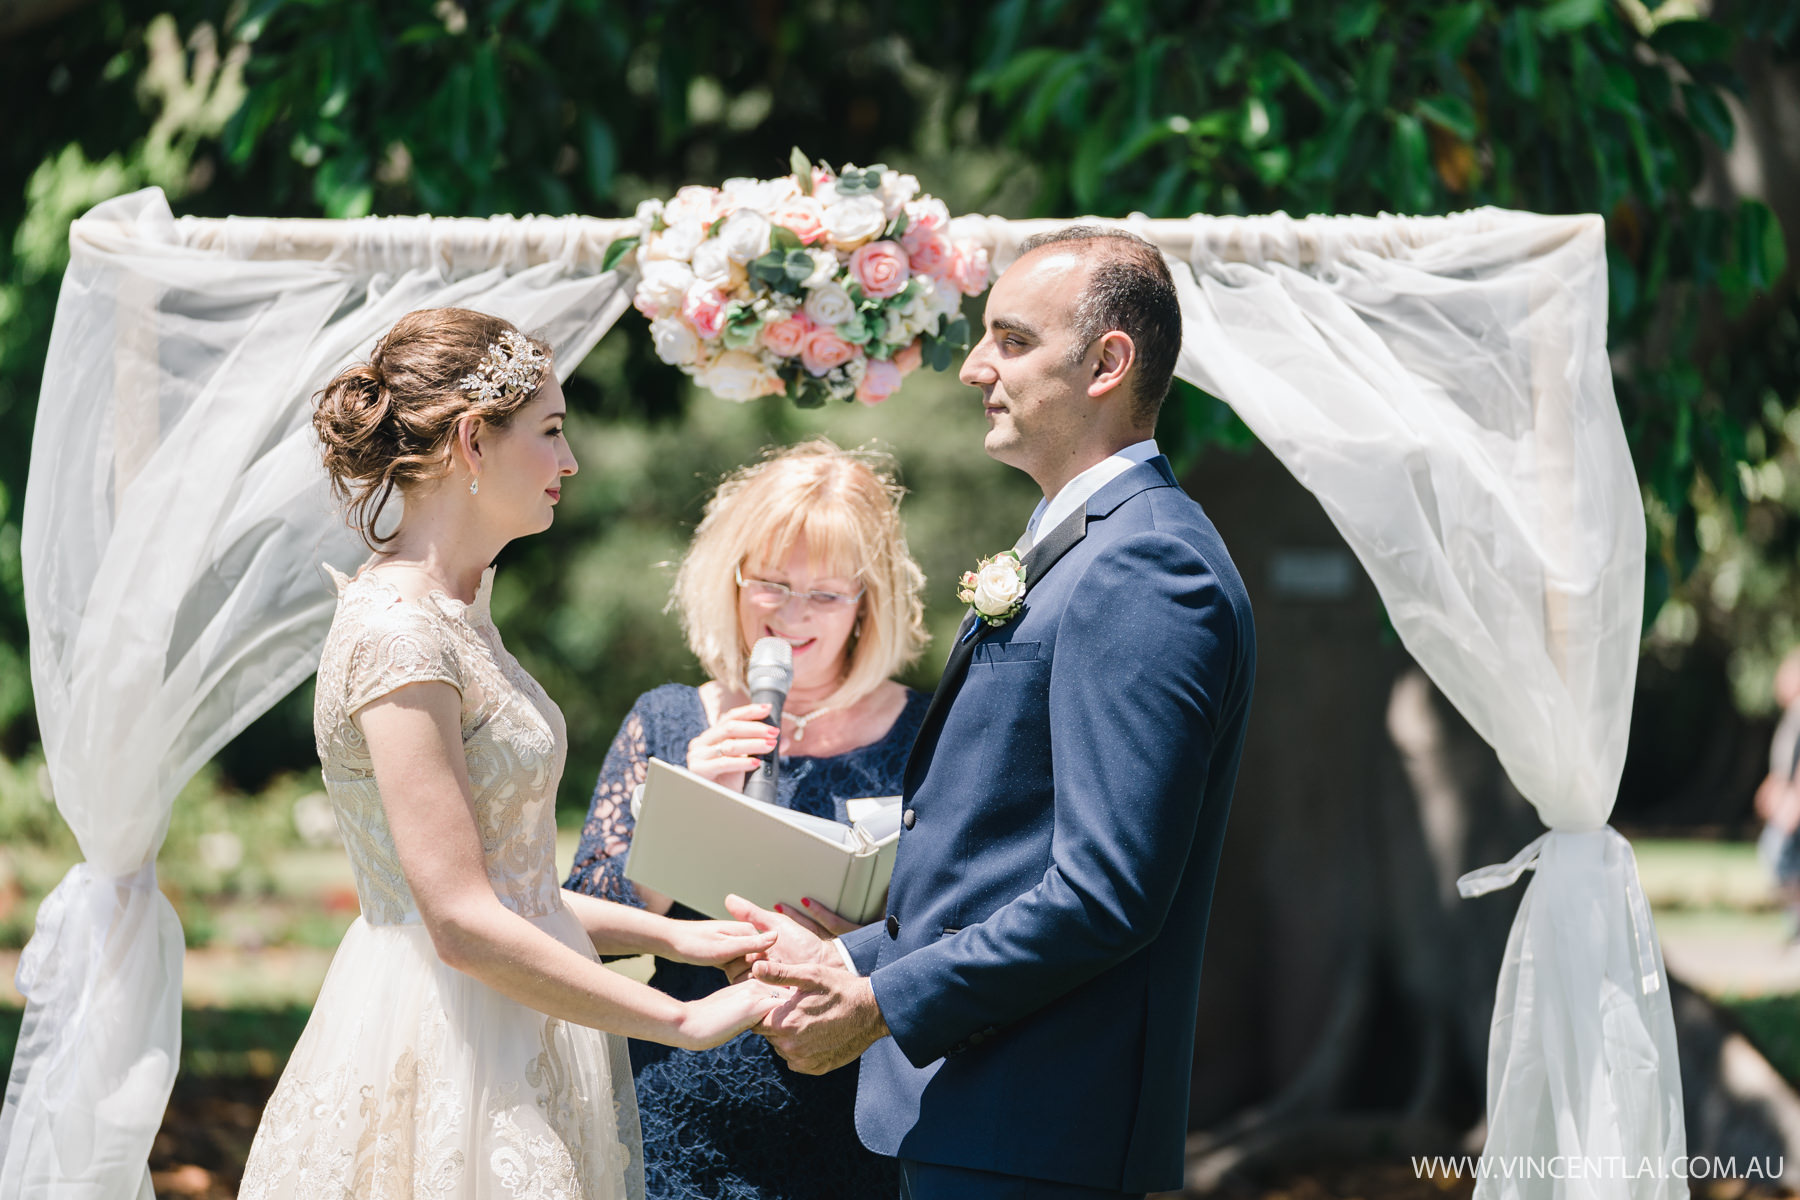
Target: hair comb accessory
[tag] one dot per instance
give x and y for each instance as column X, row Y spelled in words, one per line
column 512, row 365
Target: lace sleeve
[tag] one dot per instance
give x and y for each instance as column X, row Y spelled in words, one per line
column 599, row 868
column 400, row 645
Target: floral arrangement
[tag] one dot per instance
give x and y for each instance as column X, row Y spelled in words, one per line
column 816, row 285
column 995, row 589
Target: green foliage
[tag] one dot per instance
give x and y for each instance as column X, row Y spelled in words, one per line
column 1045, row 106
column 1368, row 106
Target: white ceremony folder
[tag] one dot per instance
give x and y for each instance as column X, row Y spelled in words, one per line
column 696, row 842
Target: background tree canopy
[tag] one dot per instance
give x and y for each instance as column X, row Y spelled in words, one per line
column 1665, row 120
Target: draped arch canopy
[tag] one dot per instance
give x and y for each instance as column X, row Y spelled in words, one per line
column 1440, row 384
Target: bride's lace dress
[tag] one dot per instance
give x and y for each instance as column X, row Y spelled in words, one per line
column 412, row 1079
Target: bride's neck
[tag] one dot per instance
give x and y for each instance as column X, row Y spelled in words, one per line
column 442, row 547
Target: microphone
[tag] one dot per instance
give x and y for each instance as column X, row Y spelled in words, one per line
column 770, row 675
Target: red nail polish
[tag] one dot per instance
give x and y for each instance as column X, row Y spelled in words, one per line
column 780, row 910
column 806, row 902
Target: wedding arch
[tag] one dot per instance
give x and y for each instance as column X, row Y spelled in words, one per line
column 1440, row 385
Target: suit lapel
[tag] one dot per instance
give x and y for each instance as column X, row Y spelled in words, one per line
column 1056, row 543
column 1038, row 561
column 953, row 669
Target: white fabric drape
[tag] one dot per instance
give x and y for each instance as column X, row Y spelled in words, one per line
column 1441, row 385
column 175, row 518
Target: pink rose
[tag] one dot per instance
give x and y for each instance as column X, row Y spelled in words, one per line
column 910, row 357
column 881, row 380
column 970, row 270
column 787, row 338
column 928, row 215
column 929, row 254
column 881, row 268
column 825, row 350
column 804, row 216
column 704, row 308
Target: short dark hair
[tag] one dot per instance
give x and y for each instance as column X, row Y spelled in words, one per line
column 1128, row 289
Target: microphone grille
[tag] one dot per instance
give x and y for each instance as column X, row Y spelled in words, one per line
column 771, row 665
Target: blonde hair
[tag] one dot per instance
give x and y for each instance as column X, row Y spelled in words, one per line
column 846, row 505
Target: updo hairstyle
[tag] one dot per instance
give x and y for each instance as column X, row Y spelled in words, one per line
column 389, row 422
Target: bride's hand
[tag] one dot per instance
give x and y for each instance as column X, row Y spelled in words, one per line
column 728, row 750
column 715, row 943
column 716, row 1019
column 794, row 942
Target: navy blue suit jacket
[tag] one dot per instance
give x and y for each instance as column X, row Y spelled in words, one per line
column 1039, row 968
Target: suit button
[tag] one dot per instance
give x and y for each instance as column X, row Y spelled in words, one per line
column 893, row 926
column 909, row 818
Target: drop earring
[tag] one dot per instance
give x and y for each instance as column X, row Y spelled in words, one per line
column 474, row 486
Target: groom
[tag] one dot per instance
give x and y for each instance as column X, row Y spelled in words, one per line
column 1027, row 1006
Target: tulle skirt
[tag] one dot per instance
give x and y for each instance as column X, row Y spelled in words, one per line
column 414, row 1080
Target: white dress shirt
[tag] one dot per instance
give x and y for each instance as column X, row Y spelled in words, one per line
column 1051, row 512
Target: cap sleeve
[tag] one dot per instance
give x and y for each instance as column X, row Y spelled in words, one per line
column 397, row 645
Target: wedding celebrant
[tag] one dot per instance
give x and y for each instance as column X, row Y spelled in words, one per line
column 806, row 545
column 1025, row 1013
column 456, row 1048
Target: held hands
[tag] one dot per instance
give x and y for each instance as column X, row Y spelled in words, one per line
column 728, row 750
column 791, row 943
column 831, row 1016
column 729, row 945
column 716, row 1019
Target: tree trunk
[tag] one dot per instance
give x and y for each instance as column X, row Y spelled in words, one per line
column 1348, row 989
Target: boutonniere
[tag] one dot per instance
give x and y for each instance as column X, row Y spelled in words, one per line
column 995, row 588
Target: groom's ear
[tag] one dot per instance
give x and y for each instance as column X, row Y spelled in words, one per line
column 1114, row 355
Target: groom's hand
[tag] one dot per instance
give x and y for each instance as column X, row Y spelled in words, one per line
column 829, row 1021
column 794, row 943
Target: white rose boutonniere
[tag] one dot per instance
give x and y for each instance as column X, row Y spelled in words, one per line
column 995, row 588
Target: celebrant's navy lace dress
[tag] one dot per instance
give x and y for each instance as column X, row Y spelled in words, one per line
column 734, row 1123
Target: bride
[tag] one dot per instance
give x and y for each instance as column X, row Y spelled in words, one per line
column 456, row 1048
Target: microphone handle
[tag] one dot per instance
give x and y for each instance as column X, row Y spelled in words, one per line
column 762, row 782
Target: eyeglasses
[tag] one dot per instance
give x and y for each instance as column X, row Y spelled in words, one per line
column 766, row 593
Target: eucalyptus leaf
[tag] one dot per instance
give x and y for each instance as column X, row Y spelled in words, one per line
column 617, row 251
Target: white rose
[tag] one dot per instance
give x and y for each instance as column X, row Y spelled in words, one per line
column 691, row 203
column 896, row 190
column 647, row 214
column 825, row 267
column 712, row 262
column 945, row 300
column 825, row 192
column 764, row 195
column 918, row 315
column 856, row 220
column 737, row 375
column 664, row 284
column 895, row 332
column 745, row 235
column 829, row 305
column 676, row 342
column 678, row 241
column 998, row 587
